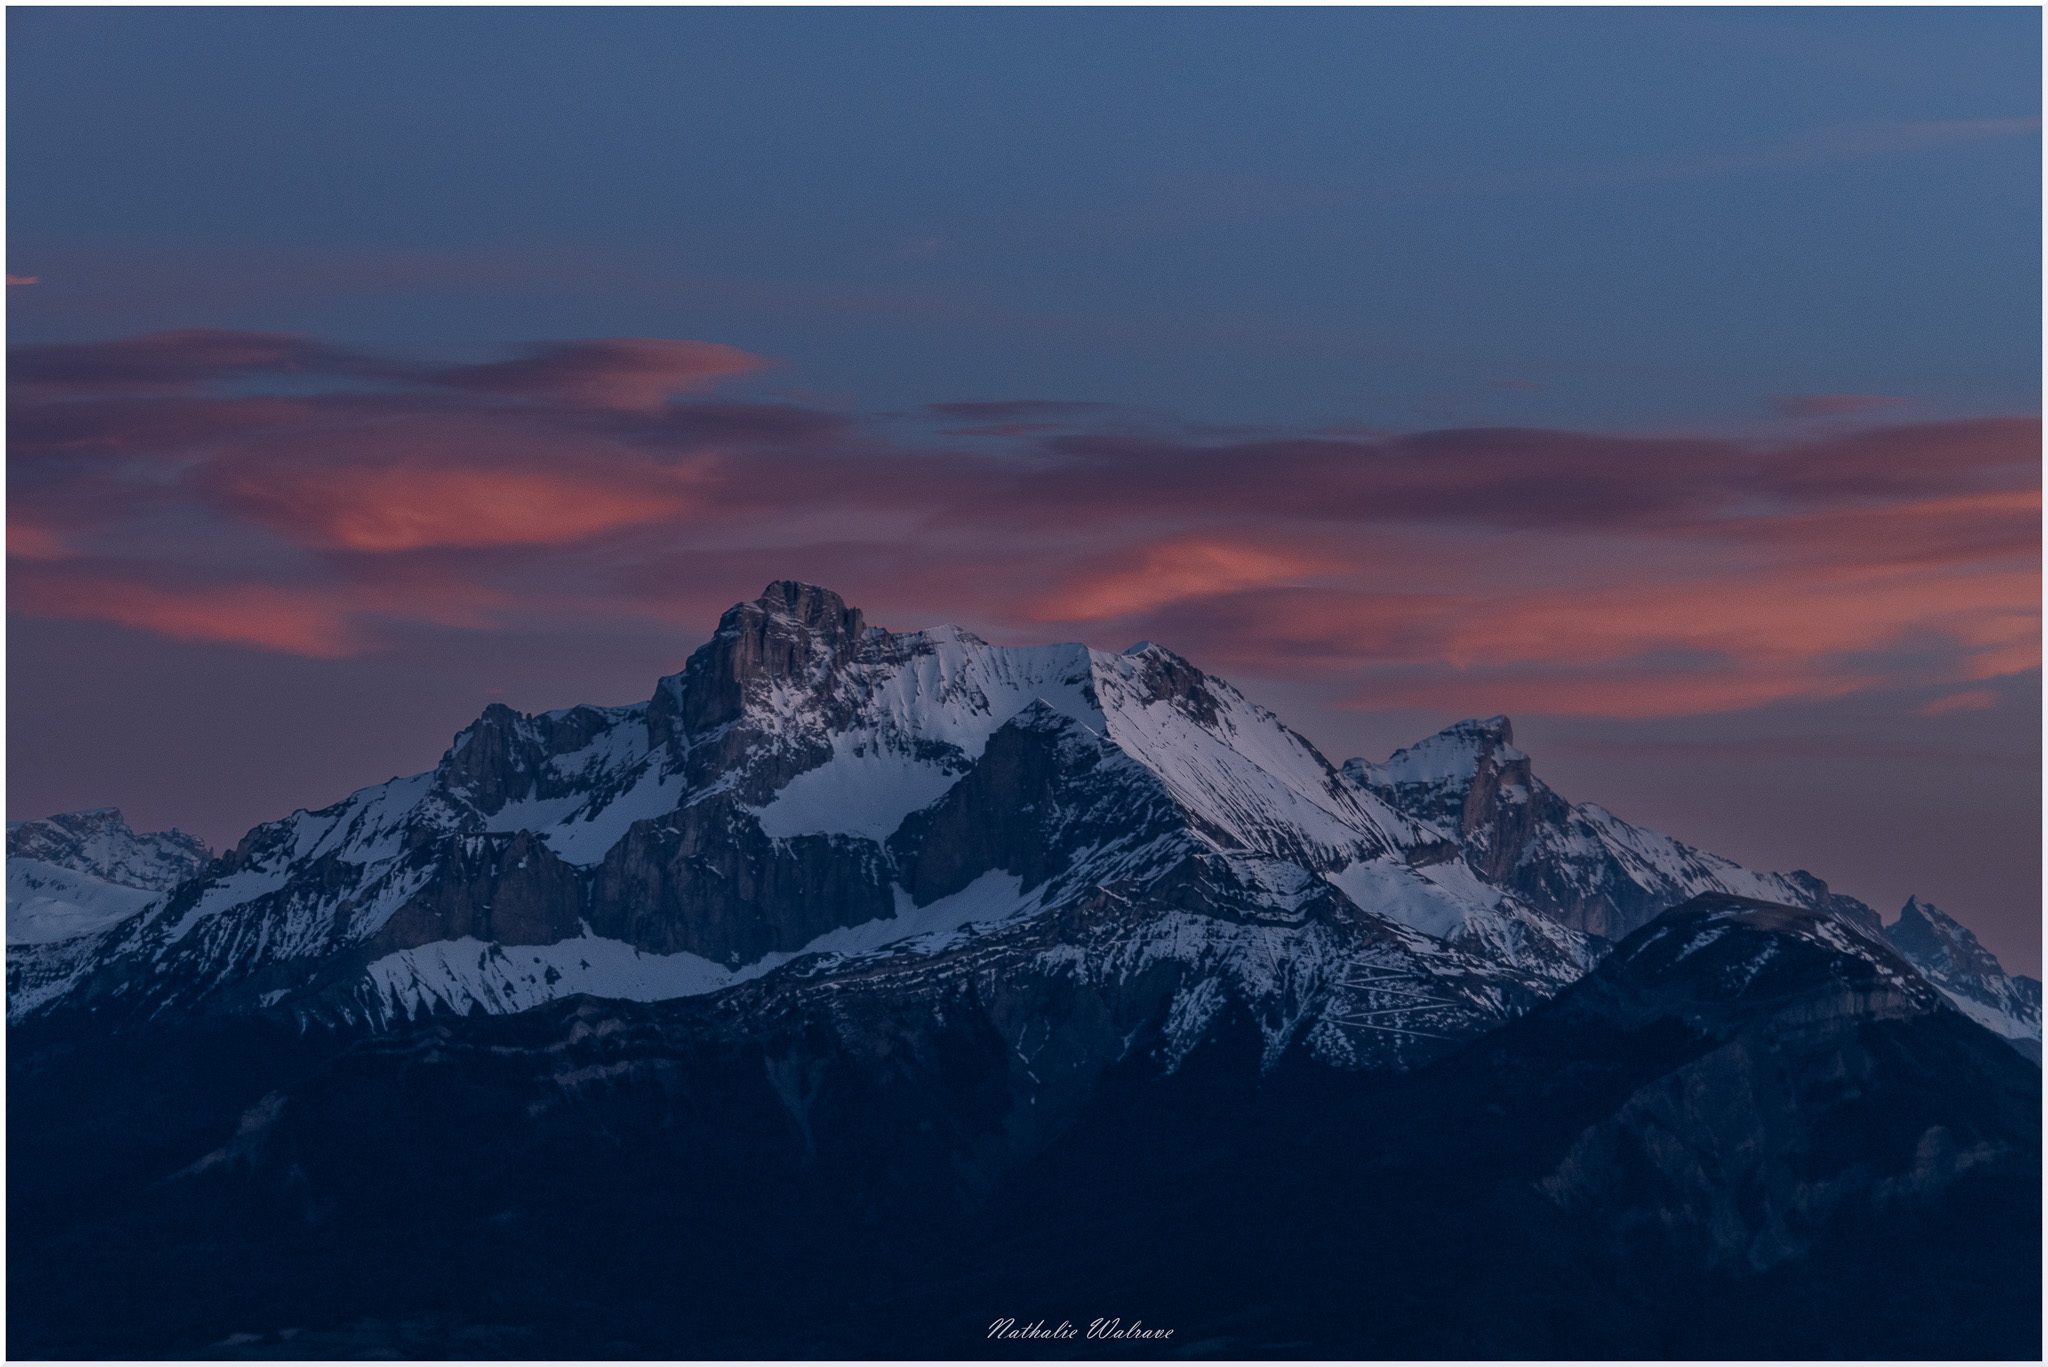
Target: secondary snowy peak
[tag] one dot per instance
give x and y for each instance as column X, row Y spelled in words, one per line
column 100, row 844
column 1578, row 864
column 1247, row 781
column 1969, row 974
column 79, row 873
column 1451, row 778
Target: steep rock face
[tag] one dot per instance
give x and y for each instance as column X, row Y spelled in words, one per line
column 1470, row 781
column 1969, row 974
column 793, row 633
column 505, row 757
column 509, row 888
column 707, row 881
column 1044, row 791
column 1579, row 864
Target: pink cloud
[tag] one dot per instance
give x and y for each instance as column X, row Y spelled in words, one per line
column 23, row 279
column 29, row 541
column 397, row 508
column 638, row 373
column 1977, row 699
column 1497, row 569
column 296, row 620
column 1170, row 572
column 325, row 619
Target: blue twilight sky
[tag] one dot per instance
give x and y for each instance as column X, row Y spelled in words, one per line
column 1659, row 217
column 1667, row 378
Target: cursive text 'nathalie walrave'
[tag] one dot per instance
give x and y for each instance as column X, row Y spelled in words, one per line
column 1097, row 1329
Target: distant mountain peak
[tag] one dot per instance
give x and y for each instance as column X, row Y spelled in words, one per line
column 1939, row 942
column 77, row 873
column 1576, row 862
column 1943, row 949
column 98, row 841
column 1451, row 759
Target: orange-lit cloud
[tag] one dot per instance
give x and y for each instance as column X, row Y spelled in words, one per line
column 169, row 484
column 23, row 279
column 1168, row 573
column 324, row 620
column 405, row 507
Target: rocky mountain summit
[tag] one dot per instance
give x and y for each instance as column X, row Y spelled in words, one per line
column 1579, row 864
column 1969, row 974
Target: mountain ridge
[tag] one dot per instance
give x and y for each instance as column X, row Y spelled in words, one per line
column 809, row 784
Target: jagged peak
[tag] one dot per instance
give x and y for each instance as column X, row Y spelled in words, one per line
column 1451, row 756
column 560, row 731
column 1936, row 941
column 1837, row 903
column 98, row 841
column 808, row 605
column 1922, row 915
column 84, row 816
column 788, row 632
column 1496, row 728
column 85, row 823
column 1165, row 677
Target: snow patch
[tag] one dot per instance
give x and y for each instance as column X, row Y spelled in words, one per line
column 586, row 840
column 863, row 791
column 46, row 903
column 453, row 974
column 1403, row 894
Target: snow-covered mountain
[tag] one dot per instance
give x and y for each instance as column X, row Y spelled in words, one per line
column 1585, row 867
column 811, row 798
column 81, row 872
column 1578, row 864
column 1969, row 974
